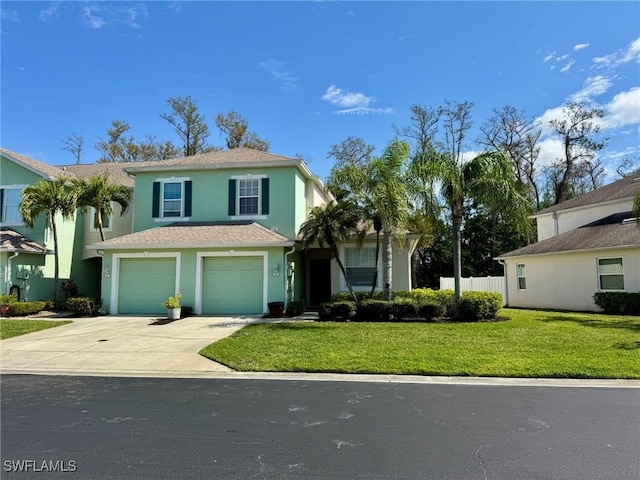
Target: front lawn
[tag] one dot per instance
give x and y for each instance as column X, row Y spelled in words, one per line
column 528, row 344
column 13, row 328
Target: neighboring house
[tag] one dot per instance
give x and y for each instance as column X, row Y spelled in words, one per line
column 26, row 254
column 220, row 228
column 588, row 244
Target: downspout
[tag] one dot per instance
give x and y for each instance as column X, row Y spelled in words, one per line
column 7, row 283
column 506, row 283
column 285, row 269
column 555, row 223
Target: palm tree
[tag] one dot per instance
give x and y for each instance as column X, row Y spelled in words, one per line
column 488, row 179
column 333, row 224
column 51, row 197
column 389, row 198
column 100, row 194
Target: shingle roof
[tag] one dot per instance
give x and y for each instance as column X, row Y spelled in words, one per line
column 44, row 169
column 12, row 241
column 624, row 188
column 608, row 232
column 115, row 170
column 198, row 234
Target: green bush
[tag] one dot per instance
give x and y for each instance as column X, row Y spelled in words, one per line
column 619, row 303
column 475, row 306
column 403, row 308
column 25, row 308
column 430, row 310
column 341, row 310
column 84, row 306
column 372, row 310
column 445, row 298
column 346, row 296
column 49, row 305
column 295, row 308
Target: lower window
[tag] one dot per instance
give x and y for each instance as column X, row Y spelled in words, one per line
column 610, row 274
column 361, row 266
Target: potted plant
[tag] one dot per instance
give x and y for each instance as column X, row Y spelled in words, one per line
column 276, row 309
column 6, row 300
column 172, row 304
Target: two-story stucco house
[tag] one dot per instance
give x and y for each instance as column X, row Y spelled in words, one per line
column 26, row 254
column 588, row 244
column 220, row 228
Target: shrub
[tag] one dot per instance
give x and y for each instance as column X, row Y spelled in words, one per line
column 295, row 308
column 346, row 296
column 84, row 306
column 25, row 308
column 403, row 307
column 8, row 299
column 445, row 298
column 479, row 305
column 430, row 310
column 371, row 310
column 343, row 310
column 49, row 305
column 70, row 288
column 620, row 303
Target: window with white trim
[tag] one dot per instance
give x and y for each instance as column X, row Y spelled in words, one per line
column 11, row 198
column 172, row 199
column 521, row 273
column 360, row 264
column 249, row 196
column 610, row 274
column 106, row 221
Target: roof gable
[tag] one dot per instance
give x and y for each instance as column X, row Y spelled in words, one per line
column 43, row 169
column 621, row 189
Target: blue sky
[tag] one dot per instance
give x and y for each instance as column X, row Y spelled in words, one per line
column 309, row 74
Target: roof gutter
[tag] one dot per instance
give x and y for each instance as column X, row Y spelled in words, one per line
column 97, row 246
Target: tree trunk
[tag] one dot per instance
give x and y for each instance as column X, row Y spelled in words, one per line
column 56, row 261
column 99, row 214
column 374, row 282
column 336, row 255
column 387, row 265
column 456, row 217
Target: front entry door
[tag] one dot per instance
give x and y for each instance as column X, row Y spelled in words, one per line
column 319, row 281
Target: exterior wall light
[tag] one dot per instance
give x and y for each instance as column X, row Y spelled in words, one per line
column 276, row 270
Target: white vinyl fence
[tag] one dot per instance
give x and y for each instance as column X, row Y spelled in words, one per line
column 482, row 284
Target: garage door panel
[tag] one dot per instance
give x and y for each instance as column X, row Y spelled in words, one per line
column 144, row 283
column 232, row 285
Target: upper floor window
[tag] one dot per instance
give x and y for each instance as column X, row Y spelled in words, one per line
column 10, row 198
column 106, row 220
column 360, row 264
column 172, row 198
column 610, row 274
column 249, row 196
column 522, row 276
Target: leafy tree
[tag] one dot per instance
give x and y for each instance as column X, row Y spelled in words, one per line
column 118, row 147
column 49, row 197
column 330, row 225
column 74, row 144
column 98, row 192
column 576, row 130
column 188, row 124
column 236, row 128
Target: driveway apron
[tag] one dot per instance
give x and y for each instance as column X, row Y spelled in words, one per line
column 127, row 345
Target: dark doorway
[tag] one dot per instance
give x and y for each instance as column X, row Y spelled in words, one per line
column 319, row 281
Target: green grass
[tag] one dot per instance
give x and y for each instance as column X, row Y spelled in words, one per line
column 13, row 328
column 528, row 344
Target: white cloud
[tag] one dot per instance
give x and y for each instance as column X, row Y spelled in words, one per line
column 623, row 109
column 9, row 15
column 280, row 71
column 568, row 66
column 562, row 57
column 50, row 13
column 364, row 111
column 581, row 46
column 97, row 16
column 89, row 16
column 626, row 55
column 346, row 99
column 592, row 87
column 549, row 57
column 551, row 149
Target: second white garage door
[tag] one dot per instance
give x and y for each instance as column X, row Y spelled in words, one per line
column 232, row 285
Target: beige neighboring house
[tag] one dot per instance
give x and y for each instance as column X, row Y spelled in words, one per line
column 585, row 245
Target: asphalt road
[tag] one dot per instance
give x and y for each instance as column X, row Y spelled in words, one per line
column 122, row 428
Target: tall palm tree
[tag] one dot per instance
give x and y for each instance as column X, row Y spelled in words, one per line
column 52, row 198
column 98, row 192
column 330, row 225
column 487, row 178
column 389, row 197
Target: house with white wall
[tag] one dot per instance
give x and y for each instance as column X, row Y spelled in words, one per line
column 588, row 244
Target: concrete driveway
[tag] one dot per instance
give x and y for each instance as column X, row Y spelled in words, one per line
column 120, row 345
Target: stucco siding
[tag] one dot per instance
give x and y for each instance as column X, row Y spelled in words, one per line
column 119, row 225
column 567, row 281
